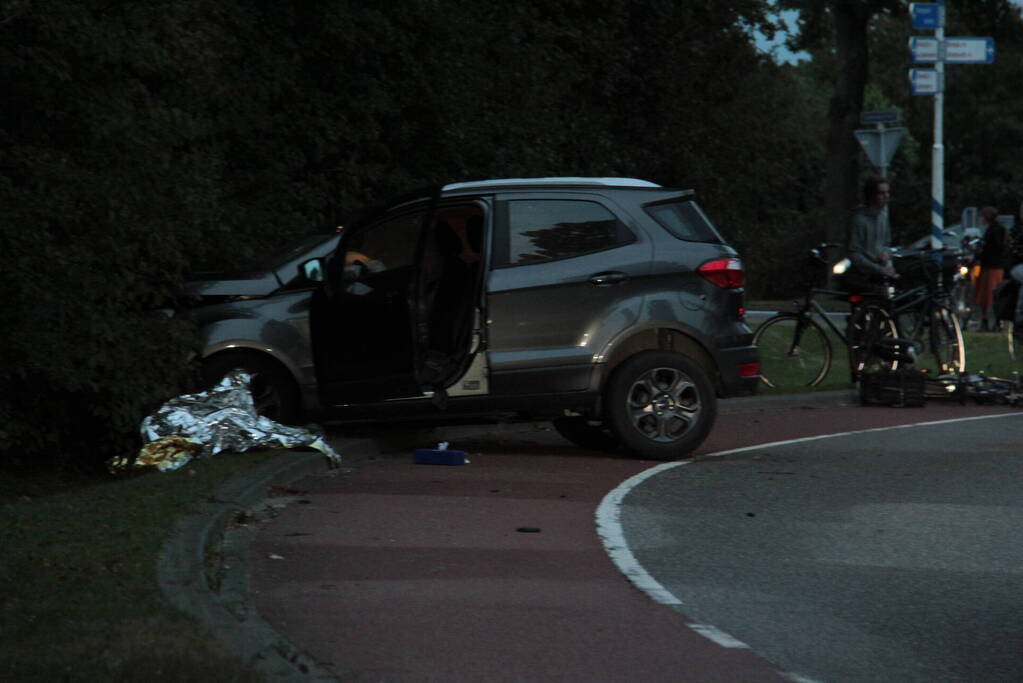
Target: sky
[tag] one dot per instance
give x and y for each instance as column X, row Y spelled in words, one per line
column 783, row 55
column 777, row 46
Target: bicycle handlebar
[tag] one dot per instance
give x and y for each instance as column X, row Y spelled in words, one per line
column 817, row 252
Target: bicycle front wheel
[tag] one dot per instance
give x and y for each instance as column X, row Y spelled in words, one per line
column 867, row 326
column 946, row 341
column 794, row 351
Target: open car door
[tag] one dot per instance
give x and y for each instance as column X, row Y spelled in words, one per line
column 360, row 320
column 395, row 317
column 447, row 295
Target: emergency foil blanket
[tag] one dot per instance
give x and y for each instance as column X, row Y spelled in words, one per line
column 210, row 422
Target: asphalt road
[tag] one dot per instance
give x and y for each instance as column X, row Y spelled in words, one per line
column 884, row 554
column 891, row 555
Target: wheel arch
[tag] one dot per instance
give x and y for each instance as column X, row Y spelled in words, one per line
column 244, row 348
column 656, row 338
column 294, row 402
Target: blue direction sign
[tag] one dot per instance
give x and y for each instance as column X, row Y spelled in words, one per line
column 969, row 50
column 925, row 50
column 881, row 116
column 926, row 15
column 925, row 81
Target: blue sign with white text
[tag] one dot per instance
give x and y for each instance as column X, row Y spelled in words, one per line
column 969, row 50
column 925, row 81
column 926, row 15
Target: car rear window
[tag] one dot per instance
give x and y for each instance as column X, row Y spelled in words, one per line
column 685, row 220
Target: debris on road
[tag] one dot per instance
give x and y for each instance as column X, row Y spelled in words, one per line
column 440, row 456
column 906, row 387
column 210, row 422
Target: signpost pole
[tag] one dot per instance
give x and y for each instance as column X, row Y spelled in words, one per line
column 966, row 50
column 884, row 165
column 938, row 152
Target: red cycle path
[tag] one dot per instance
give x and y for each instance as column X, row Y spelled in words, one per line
column 390, row 571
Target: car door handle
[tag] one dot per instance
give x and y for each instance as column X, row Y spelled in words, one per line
column 606, row 279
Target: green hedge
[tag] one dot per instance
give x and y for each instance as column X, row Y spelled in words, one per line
column 140, row 140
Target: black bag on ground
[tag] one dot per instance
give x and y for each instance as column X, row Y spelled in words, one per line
column 1004, row 301
column 901, row 388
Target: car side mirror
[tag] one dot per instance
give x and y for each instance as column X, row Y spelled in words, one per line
column 312, row 270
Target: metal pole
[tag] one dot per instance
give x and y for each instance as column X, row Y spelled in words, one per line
column 938, row 155
column 880, row 138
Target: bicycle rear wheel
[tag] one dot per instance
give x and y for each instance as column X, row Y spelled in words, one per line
column 867, row 326
column 915, row 324
column 794, row 351
column 946, row 343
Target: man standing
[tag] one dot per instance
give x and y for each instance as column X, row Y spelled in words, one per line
column 869, row 234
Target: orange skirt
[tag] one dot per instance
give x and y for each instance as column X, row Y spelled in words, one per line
column 985, row 286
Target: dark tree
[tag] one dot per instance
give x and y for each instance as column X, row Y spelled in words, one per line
column 841, row 26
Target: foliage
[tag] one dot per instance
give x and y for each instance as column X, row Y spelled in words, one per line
column 981, row 133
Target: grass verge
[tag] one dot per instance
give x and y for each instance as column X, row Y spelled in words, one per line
column 988, row 352
column 79, row 598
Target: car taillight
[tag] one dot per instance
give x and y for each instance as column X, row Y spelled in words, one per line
column 726, row 273
column 749, row 369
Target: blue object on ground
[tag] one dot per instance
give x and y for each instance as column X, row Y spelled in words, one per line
column 432, row 456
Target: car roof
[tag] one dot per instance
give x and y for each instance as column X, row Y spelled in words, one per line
column 558, row 181
column 563, row 183
column 513, row 184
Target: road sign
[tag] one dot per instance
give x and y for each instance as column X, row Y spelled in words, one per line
column 882, row 116
column 880, row 144
column 925, row 50
column 969, row 50
column 926, row 15
column 925, row 81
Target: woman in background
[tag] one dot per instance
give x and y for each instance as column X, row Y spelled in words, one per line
column 1015, row 249
column 993, row 259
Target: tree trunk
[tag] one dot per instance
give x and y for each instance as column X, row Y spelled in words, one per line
column 842, row 166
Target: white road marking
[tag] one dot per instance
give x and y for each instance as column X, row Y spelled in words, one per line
column 718, row 636
column 797, row 678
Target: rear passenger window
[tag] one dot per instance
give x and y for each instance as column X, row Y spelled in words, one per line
column 550, row 229
column 684, row 220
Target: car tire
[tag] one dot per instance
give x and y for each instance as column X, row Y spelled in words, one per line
column 660, row 404
column 274, row 392
column 579, row 431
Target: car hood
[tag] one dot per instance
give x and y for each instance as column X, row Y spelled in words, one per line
column 265, row 281
column 256, row 283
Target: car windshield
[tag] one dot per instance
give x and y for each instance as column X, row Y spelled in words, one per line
column 279, row 257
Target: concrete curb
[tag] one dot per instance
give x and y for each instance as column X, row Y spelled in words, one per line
column 203, row 569
column 840, row 397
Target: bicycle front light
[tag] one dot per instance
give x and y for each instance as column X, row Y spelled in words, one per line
column 840, row 267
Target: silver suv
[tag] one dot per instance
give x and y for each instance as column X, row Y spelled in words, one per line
column 610, row 305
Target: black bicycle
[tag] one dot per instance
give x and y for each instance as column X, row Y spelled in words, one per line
column 924, row 310
column 795, row 349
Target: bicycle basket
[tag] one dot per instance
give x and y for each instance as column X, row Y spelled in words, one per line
column 901, row 388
